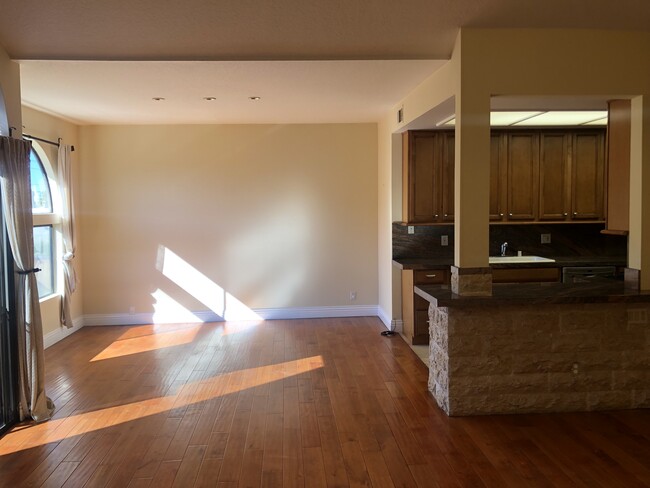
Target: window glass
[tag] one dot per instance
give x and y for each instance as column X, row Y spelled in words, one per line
column 44, row 259
column 41, row 197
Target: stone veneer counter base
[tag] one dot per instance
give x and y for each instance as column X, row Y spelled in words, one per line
column 581, row 350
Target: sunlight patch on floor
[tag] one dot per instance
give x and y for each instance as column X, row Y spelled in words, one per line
column 22, row 438
column 151, row 342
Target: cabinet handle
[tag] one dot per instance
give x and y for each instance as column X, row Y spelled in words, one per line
column 500, row 215
column 430, row 276
column 510, row 214
column 565, row 214
column 446, row 215
column 575, row 213
column 436, row 215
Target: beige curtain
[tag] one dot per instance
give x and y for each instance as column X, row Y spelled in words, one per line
column 15, row 187
column 67, row 231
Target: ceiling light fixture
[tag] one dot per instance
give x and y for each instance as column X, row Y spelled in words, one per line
column 209, row 99
column 158, row 99
column 255, row 98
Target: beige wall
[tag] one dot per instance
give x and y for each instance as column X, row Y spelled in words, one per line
column 52, row 128
column 275, row 215
column 10, row 86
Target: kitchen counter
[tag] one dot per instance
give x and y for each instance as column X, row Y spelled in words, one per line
column 596, row 291
column 539, row 347
column 560, row 262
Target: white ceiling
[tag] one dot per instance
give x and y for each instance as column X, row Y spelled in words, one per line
column 121, row 92
column 254, row 31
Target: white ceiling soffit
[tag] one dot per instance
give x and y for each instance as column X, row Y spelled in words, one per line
column 283, row 29
column 121, row 92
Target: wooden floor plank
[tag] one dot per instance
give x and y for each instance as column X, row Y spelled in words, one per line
column 318, row 402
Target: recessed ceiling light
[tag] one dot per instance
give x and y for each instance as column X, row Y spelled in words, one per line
column 254, row 98
column 158, row 99
column 209, row 99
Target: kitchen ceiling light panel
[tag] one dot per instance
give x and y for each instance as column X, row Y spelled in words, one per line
column 508, row 118
column 563, row 118
column 598, row 122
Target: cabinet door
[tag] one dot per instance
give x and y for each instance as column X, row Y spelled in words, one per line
column 554, row 176
column 523, row 153
column 423, row 177
column 498, row 177
column 421, row 321
column 588, row 174
column 447, row 163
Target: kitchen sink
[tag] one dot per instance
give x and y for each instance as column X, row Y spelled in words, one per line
column 519, row 259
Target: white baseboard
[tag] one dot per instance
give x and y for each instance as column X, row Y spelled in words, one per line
column 61, row 333
column 263, row 313
column 396, row 325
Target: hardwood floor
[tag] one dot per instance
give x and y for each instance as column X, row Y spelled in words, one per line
column 325, row 402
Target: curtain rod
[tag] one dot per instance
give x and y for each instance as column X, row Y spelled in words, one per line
column 57, row 144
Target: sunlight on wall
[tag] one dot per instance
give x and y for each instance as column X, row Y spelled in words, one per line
column 201, row 287
column 191, row 393
column 168, row 311
column 155, row 340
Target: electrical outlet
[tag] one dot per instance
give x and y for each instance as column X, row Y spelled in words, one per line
column 353, row 295
column 410, row 229
column 444, row 240
column 546, row 238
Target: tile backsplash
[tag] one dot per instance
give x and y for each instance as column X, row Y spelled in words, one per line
column 566, row 240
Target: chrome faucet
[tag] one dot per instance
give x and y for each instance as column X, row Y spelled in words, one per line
column 504, row 248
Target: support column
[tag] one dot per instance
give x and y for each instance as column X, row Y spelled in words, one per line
column 471, row 274
column 639, row 237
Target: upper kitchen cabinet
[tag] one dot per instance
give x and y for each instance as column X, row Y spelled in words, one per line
column 547, row 175
column 618, row 167
column 523, row 168
column 428, row 176
column 498, row 177
column 588, row 176
column 554, row 176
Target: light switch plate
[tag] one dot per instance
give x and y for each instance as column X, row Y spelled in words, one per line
column 410, row 229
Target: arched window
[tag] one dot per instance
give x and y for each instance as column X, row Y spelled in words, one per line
column 45, row 221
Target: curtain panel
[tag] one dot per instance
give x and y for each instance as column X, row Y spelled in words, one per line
column 67, row 231
column 15, row 188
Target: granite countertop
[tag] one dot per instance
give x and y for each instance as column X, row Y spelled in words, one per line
column 596, row 291
column 560, row 262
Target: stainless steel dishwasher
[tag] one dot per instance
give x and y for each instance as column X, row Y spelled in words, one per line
column 584, row 274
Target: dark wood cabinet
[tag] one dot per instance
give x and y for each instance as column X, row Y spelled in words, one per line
column 447, row 165
column 498, row 177
column 525, row 275
column 522, row 163
column 588, row 176
column 547, row 175
column 428, row 176
column 554, row 176
column 415, row 309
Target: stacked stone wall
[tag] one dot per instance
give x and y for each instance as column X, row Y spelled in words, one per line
column 516, row 359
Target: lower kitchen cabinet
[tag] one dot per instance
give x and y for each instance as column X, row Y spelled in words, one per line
column 415, row 309
column 526, row 275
